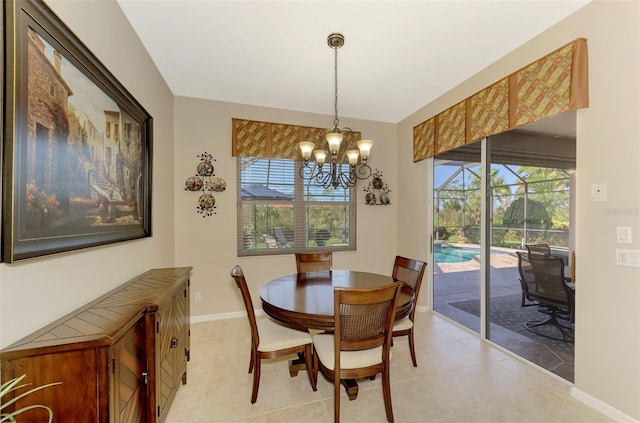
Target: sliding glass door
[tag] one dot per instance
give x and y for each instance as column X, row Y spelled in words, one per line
column 528, row 202
column 491, row 199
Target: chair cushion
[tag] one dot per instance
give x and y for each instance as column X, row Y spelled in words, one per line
column 402, row 324
column 274, row 336
column 323, row 344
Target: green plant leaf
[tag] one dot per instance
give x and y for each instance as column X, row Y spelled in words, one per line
column 13, row 385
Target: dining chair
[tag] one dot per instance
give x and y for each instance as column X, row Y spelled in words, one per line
column 410, row 272
column 314, row 262
column 270, row 339
column 360, row 344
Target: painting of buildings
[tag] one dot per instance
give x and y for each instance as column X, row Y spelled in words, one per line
column 83, row 152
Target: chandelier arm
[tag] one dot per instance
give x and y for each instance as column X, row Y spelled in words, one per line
column 323, row 179
column 307, row 171
column 348, row 179
column 363, row 172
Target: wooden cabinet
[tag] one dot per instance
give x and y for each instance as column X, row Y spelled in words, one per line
column 172, row 346
column 120, row 358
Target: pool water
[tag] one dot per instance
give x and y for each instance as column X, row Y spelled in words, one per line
column 458, row 254
column 454, row 254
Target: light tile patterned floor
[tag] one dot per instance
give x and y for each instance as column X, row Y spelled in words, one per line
column 458, row 379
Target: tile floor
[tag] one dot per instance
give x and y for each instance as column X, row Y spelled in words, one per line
column 458, row 379
column 460, row 281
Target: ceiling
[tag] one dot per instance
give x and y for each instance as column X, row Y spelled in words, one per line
column 398, row 55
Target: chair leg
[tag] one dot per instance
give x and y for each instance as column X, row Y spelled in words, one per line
column 315, row 368
column 256, row 380
column 551, row 320
column 252, row 360
column 386, row 393
column 308, row 359
column 336, row 397
column 412, row 348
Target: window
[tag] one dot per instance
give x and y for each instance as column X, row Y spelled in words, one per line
column 127, row 133
column 279, row 212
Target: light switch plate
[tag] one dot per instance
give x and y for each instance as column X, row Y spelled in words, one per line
column 627, row 257
column 623, row 234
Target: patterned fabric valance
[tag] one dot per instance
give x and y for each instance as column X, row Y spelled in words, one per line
column 553, row 84
column 252, row 138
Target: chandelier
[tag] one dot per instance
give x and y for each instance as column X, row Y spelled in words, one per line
column 330, row 168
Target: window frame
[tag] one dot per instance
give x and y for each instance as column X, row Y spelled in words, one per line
column 300, row 219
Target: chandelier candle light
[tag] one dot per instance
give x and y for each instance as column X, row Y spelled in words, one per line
column 328, row 171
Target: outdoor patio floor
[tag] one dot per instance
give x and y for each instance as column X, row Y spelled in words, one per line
column 457, row 288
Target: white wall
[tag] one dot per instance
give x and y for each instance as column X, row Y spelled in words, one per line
column 36, row 292
column 209, row 244
column 607, row 358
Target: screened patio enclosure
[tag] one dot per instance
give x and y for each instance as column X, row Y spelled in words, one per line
column 530, row 205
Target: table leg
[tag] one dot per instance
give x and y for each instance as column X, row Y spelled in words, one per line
column 352, row 388
column 297, row 365
column 351, row 385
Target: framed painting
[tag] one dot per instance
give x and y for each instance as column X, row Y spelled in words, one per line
column 76, row 144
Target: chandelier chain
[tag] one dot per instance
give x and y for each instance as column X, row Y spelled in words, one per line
column 336, row 121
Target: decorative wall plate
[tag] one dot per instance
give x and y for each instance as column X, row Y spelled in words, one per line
column 205, row 168
column 206, row 201
column 194, row 183
column 217, row 184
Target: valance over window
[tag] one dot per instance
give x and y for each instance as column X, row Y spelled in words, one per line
column 252, row 138
column 553, row 84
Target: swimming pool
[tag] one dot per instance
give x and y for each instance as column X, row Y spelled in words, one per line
column 451, row 254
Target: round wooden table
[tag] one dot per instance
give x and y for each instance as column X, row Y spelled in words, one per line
column 305, row 300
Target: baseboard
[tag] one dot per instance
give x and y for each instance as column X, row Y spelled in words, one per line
column 222, row 316
column 602, row 407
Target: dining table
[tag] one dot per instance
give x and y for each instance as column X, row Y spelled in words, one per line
column 305, row 301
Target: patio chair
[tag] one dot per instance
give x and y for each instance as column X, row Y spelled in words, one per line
column 409, row 272
column 539, row 249
column 282, row 240
column 360, row 344
column 270, row 339
column 526, row 278
column 314, row 262
column 545, row 283
column 270, row 240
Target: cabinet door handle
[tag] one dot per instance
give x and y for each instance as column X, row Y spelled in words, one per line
column 145, row 378
column 174, row 342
